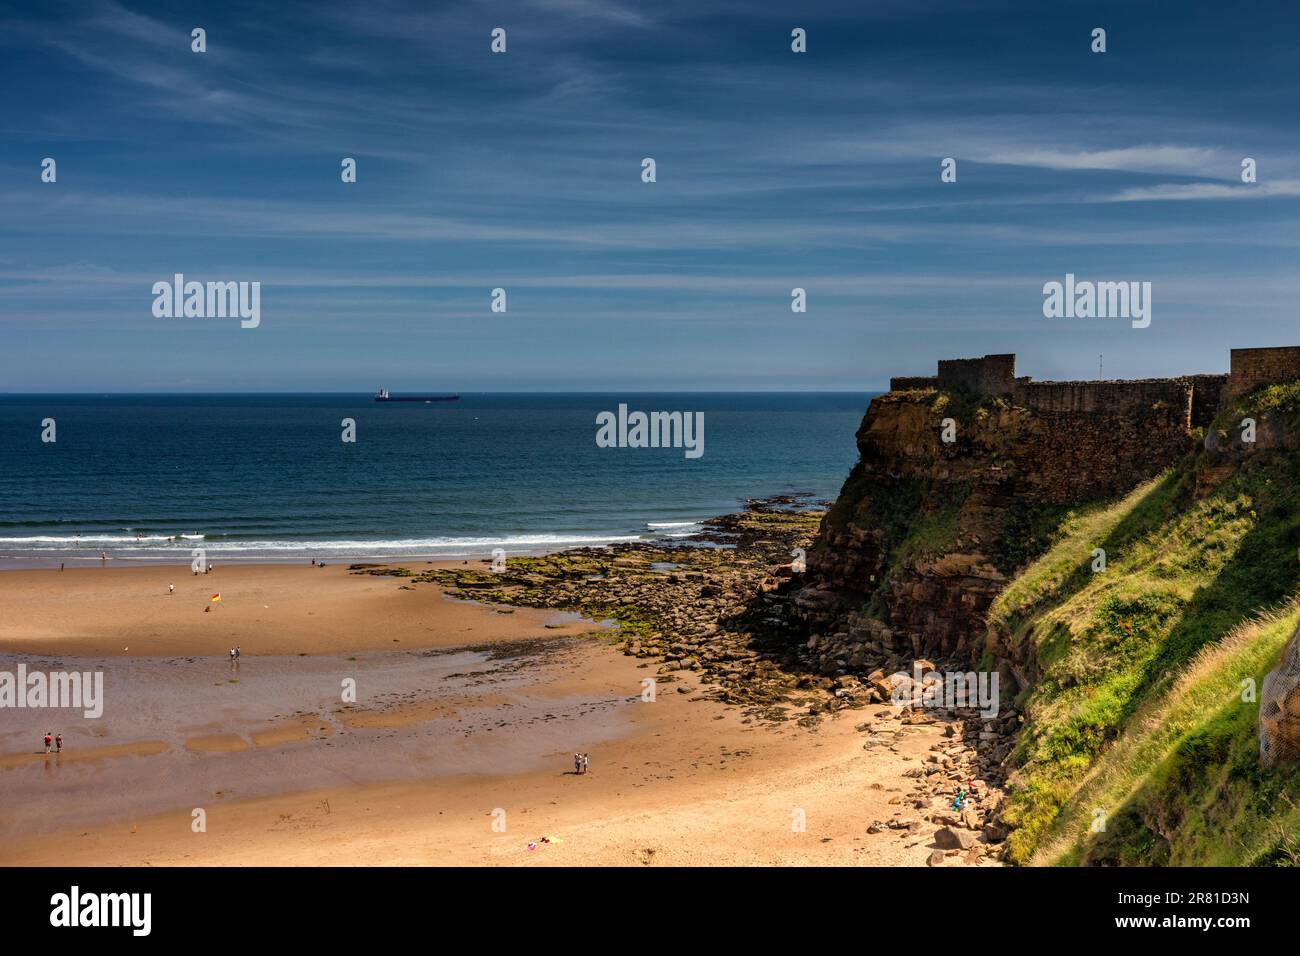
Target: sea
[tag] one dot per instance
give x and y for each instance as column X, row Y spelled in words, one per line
column 268, row 478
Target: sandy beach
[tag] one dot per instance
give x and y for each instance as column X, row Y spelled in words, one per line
column 265, row 609
column 457, row 749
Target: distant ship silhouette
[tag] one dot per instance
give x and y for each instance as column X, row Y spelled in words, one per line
column 383, row 396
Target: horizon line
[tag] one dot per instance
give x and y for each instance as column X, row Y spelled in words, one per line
column 683, row 391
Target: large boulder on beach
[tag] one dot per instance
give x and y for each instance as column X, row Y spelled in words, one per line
column 1279, row 709
column 955, row 838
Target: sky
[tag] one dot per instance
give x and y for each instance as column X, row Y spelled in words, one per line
column 523, row 171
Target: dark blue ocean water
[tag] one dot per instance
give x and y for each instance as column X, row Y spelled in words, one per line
column 266, row 477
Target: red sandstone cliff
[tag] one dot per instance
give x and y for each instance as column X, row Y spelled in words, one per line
column 925, row 533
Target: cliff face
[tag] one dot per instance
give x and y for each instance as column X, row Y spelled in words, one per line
column 926, row 532
column 1131, row 684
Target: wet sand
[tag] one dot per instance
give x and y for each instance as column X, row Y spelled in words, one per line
column 265, row 609
column 469, row 719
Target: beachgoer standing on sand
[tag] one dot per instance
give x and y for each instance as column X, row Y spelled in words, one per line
column 171, row 589
column 236, row 652
column 58, row 743
column 586, row 763
column 577, row 763
column 232, row 655
column 48, row 739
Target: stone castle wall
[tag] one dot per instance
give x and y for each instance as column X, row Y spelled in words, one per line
column 1254, row 367
column 990, row 375
column 905, row 383
column 1196, row 398
column 1114, row 398
column 1207, row 396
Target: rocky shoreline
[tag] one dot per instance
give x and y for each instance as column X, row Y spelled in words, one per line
column 718, row 604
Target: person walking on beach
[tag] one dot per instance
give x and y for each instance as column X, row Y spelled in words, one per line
column 58, row 744
column 236, row 652
column 586, row 763
column 171, row 589
column 577, row 763
column 48, row 739
column 232, row 655
column 60, row 565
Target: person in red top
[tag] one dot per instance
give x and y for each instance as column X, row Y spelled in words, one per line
column 48, row 740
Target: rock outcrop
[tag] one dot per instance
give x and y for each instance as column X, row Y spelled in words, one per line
column 926, row 532
column 962, row 477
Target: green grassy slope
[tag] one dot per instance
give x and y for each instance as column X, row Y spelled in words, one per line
column 1138, row 719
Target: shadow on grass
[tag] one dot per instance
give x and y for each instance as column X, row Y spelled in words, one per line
column 1262, row 573
column 1203, row 802
column 1155, row 508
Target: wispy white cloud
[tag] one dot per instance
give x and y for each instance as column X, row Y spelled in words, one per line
column 1150, row 158
column 595, row 9
column 1273, row 189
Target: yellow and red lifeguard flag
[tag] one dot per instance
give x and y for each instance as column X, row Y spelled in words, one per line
column 216, row 598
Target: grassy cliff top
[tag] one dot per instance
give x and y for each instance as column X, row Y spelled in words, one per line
column 1141, row 740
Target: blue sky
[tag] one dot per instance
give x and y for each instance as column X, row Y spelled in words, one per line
column 522, row 171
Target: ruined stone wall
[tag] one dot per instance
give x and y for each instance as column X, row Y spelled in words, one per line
column 990, row 375
column 908, row 382
column 1198, row 396
column 1207, row 397
column 1082, row 455
column 1251, row 368
column 1108, row 398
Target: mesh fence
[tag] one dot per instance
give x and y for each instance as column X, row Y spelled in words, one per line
column 1279, row 709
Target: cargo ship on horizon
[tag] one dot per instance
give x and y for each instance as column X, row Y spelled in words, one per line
column 383, row 396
